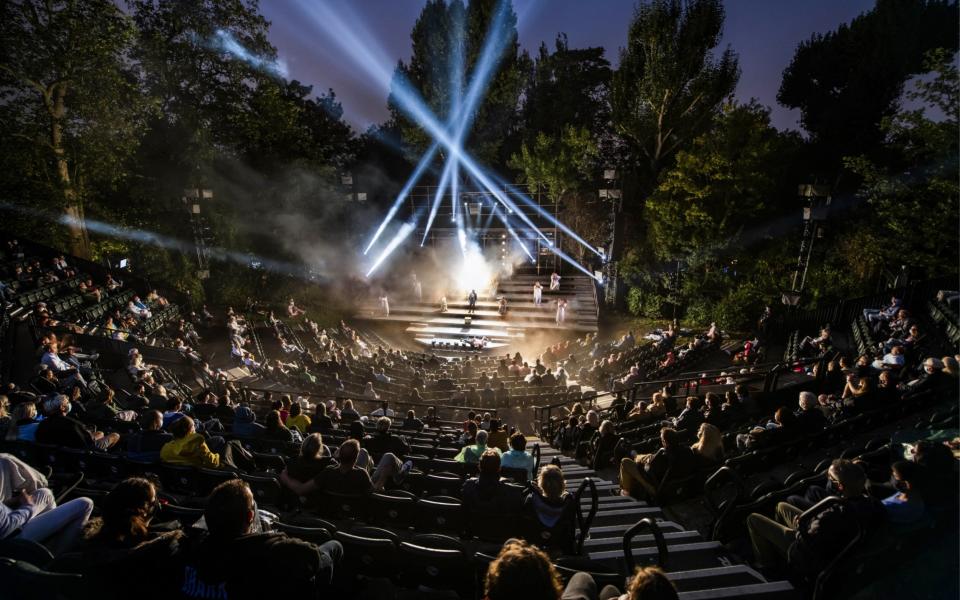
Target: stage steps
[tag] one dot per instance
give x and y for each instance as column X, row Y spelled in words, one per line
column 426, row 323
column 699, row 568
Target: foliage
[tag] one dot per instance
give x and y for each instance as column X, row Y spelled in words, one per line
column 669, row 85
column 70, row 109
column 721, row 184
column 914, row 200
column 447, row 40
column 845, row 82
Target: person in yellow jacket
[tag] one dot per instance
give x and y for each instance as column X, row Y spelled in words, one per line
column 297, row 420
column 188, row 447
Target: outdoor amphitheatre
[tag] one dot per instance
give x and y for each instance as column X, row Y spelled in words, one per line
column 479, row 299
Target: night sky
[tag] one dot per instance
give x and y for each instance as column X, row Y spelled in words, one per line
column 764, row 33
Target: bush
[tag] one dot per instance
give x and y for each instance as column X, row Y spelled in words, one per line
column 645, row 304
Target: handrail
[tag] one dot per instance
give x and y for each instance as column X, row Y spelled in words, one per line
column 720, row 511
column 585, row 523
column 645, row 523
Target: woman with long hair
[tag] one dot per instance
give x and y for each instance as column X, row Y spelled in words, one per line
column 709, row 444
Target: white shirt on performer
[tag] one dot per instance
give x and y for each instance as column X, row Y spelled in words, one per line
column 537, row 294
column 554, row 281
column 385, row 305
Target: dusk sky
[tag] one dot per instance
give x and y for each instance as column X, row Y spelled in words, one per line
column 764, row 33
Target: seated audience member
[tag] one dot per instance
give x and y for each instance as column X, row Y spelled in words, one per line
column 780, row 429
column 810, row 543
column 690, row 417
column 498, row 438
column 33, row 513
column 321, row 422
column 810, row 419
column 190, row 448
column 124, row 524
column 709, row 444
column 817, row 345
column 553, row 507
column 145, row 445
column 245, row 423
column 60, row 430
column 210, row 562
column 471, row 454
column 23, row 423
column 311, row 460
column 275, row 430
column 586, row 432
column 383, row 442
column 565, row 439
column 604, row 445
column 906, row 505
column 371, row 394
column 649, row 412
column 412, row 422
column 297, row 420
column 882, row 315
column 348, row 413
column 640, row 476
column 342, row 478
column 931, row 378
column 486, row 492
column 649, row 583
column 522, row 570
column 517, row 457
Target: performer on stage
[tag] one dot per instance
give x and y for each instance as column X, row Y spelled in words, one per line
column 537, row 294
column 385, row 305
column 503, row 306
column 555, row 282
column 561, row 311
column 472, row 299
column 443, row 304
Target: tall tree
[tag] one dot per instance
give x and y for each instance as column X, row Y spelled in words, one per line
column 847, row 81
column 448, row 40
column 669, row 85
column 914, row 199
column 719, row 185
column 567, row 87
column 70, row 102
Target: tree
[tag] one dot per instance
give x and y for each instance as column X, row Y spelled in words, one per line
column 847, row 81
column 723, row 182
column 669, row 85
column 69, row 98
column 569, row 87
column 447, row 44
column 564, row 168
column 915, row 198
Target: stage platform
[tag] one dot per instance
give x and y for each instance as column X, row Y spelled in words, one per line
column 426, row 322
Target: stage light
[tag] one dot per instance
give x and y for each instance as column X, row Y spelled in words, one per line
column 225, row 42
column 417, row 173
column 403, row 233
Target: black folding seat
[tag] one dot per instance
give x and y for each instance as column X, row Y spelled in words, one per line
column 439, row 514
column 208, row 479
column 396, row 508
column 314, row 535
column 342, row 506
column 266, row 489
column 173, row 512
column 369, row 556
column 435, row 563
column 441, row 484
column 180, row 479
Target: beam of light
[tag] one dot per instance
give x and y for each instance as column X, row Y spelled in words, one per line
column 546, row 215
column 463, row 113
column 425, row 161
column 362, row 53
column 437, row 198
column 506, row 223
column 480, row 179
column 157, row 240
column 225, row 42
column 403, row 233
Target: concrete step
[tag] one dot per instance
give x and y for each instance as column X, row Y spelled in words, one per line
column 774, row 590
column 681, row 556
column 615, row 542
column 619, row 529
